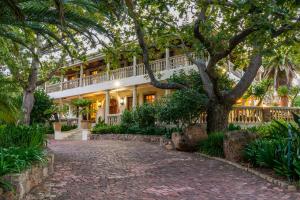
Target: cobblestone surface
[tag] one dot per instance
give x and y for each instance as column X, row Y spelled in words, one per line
column 136, row 170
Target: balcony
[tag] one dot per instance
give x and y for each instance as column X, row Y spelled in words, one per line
column 131, row 75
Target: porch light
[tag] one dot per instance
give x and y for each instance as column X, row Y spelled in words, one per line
column 122, row 101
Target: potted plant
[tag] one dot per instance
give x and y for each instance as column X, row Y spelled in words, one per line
column 83, row 111
column 283, row 92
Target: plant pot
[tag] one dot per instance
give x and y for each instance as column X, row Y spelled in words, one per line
column 57, row 126
column 85, row 124
column 284, row 101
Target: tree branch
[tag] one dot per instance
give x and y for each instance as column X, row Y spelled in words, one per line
column 143, row 45
column 246, row 80
column 200, row 19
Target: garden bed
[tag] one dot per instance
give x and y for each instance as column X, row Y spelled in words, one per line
column 24, row 182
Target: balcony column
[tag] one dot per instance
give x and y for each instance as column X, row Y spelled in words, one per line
column 167, row 92
column 167, row 58
column 107, row 71
column 134, row 97
column 134, row 66
column 81, row 76
column 107, row 102
column 61, row 82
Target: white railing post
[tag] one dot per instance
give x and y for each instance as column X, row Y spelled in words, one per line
column 46, row 87
column 107, row 71
column 80, row 76
column 167, row 59
column 134, row 66
column 107, row 102
column 61, row 82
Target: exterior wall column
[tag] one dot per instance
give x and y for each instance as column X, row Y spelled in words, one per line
column 167, row 58
column 134, row 66
column 81, row 76
column 107, row 102
column 134, row 97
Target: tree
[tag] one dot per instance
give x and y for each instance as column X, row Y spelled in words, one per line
column 238, row 29
column 281, row 67
column 37, row 31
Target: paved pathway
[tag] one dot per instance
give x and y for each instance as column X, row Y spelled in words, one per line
column 134, row 170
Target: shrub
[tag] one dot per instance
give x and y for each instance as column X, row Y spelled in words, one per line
column 144, row 116
column 106, row 129
column 42, row 103
column 66, row 127
column 283, row 91
column 233, row 127
column 22, row 136
column 16, row 159
column 182, row 108
column 213, row 145
column 127, row 119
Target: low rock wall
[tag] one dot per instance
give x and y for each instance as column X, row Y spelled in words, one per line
column 131, row 137
column 23, row 182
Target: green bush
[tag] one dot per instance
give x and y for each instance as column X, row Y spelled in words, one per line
column 42, row 103
column 233, row 127
column 182, row 108
column 144, row 116
column 22, row 136
column 127, row 119
column 16, row 159
column 270, row 150
column 106, row 129
column 213, row 145
column 66, row 127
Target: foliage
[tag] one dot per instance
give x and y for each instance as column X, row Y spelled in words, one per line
column 283, row 91
column 213, row 145
column 106, row 129
column 42, row 103
column 22, row 136
column 181, row 108
column 16, row 159
column 66, row 127
column 297, row 101
column 233, row 127
column 127, row 119
column 270, row 150
column 293, row 94
column 258, row 90
column 144, row 116
column 83, row 105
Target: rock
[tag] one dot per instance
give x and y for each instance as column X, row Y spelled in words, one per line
column 190, row 138
column 235, row 142
column 169, row 146
column 195, row 134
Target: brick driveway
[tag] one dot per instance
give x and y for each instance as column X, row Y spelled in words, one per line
column 136, row 170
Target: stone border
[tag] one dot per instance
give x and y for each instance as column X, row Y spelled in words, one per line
column 25, row 181
column 268, row 178
column 131, row 137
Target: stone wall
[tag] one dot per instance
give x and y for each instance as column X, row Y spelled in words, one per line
column 130, row 137
column 25, row 181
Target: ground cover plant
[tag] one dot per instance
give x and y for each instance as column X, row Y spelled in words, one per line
column 277, row 148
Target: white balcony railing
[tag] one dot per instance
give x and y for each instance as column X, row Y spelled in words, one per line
column 242, row 115
column 174, row 62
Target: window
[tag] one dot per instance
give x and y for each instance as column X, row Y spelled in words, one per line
column 149, row 98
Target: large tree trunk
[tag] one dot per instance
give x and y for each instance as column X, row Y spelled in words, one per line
column 27, row 105
column 217, row 117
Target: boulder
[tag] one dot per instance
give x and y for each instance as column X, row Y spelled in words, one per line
column 235, row 142
column 195, row 134
column 189, row 139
